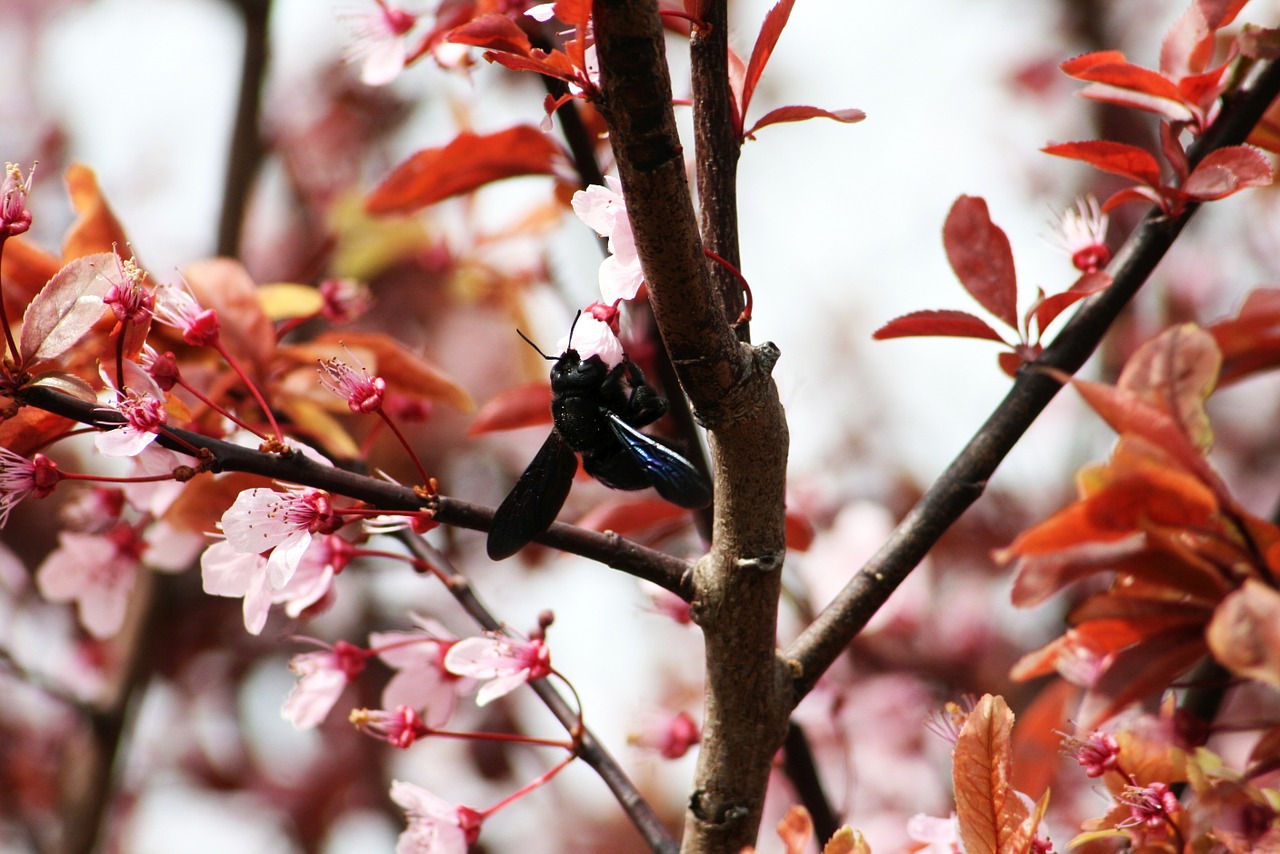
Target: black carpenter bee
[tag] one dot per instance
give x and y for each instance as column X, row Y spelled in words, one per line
column 596, row 412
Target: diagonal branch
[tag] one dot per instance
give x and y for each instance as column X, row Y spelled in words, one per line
column 966, row 478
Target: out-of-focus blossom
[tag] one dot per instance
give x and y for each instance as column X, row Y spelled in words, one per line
column 21, row 478
column 502, row 663
column 542, row 12
column 670, row 736
column 163, row 368
column 935, row 835
column 15, row 216
column 421, row 680
column 380, row 45
column 344, row 299
column 605, row 210
column 591, row 337
column 262, row 519
column 1150, row 808
column 322, row 675
column 1097, row 754
column 227, row 572
column 400, row 727
column 97, row 572
column 1082, row 233
column 92, row 510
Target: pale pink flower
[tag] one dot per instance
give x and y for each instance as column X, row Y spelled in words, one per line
column 421, row 681
column 591, row 337
column 398, row 728
column 262, row 519
column 178, row 307
column 605, row 210
column 15, row 217
column 542, row 12
column 362, row 391
column 380, row 45
column 435, row 825
column 227, row 572
column 156, row 496
column 669, row 735
column 322, row 675
column 128, row 299
column 940, row 835
column 142, row 405
column 503, row 663
column 21, row 478
column 97, row 572
column 1082, row 234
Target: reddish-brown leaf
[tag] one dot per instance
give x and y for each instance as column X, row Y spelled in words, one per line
column 1037, row 740
column 1125, row 75
column 575, row 13
column 1081, row 64
column 27, row 268
column 494, row 32
column 224, row 285
column 799, row 530
column 796, row 830
column 67, row 308
column 628, row 514
column 522, row 406
column 1119, row 158
column 1226, row 171
column 32, row 430
column 96, row 228
column 774, row 22
column 555, row 64
column 1140, row 671
column 979, row 253
column 1176, row 371
column 1244, row 634
column 1146, row 195
column 1250, row 341
column 988, row 808
column 468, row 162
column 800, row 113
column 949, row 322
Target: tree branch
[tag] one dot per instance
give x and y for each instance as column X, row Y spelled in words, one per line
column 965, row 479
column 246, row 150
column 737, row 584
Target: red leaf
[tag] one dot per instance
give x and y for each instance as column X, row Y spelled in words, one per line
column 1226, row 171
column 628, row 515
column 988, row 808
column 573, row 12
column 494, row 32
column 1116, row 157
column 1125, row 75
column 1138, row 194
column 958, row 324
column 1250, row 341
column 468, row 162
column 522, row 406
column 1140, row 671
column 555, row 64
column 1050, row 307
column 981, row 257
column 1244, row 634
column 770, row 30
column 800, row 113
column 800, row 531
column 1078, row 65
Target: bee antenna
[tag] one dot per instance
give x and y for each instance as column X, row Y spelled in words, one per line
column 572, row 326
column 535, row 346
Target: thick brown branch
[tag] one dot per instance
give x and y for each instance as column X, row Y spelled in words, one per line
column 738, row 582
column 964, row 480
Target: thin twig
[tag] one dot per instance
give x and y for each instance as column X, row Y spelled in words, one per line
column 246, row 151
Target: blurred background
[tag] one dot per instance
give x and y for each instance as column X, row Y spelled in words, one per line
column 840, row 229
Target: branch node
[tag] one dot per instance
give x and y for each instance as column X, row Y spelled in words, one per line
column 771, row 562
column 745, row 396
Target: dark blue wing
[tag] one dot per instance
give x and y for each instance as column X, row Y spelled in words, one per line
column 535, row 501
column 672, row 475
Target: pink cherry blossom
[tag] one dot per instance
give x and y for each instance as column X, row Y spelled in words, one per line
column 142, row 405
column 400, row 727
column 1082, row 234
column 21, row 478
column 97, row 572
column 591, row 337
column 669, row 735
column 362, row 392
column 15, row 217
column 605, row 210
column 940, row 835
column 380, row 45
column 344, row 299
column 127, row 297
column 435, row 825
column 322, row 676
column 234, row 574
column 421, row 681
column 262, row 519
column 178, row 307
column 505, row 662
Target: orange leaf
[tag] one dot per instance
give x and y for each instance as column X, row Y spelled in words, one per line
column 467, row 163
column 225, row 285
column 795, row 830
column 1244, row 634
column 1140, row 671
column 494, row 32
column 96, row 229
column 988, row 809
column 523, row 406
column 1249, row 342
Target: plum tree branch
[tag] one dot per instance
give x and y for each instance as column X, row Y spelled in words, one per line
column 965, row 478
column 737, row 583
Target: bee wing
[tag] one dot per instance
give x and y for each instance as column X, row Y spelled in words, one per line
column 672, row 475
column 535, row 501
